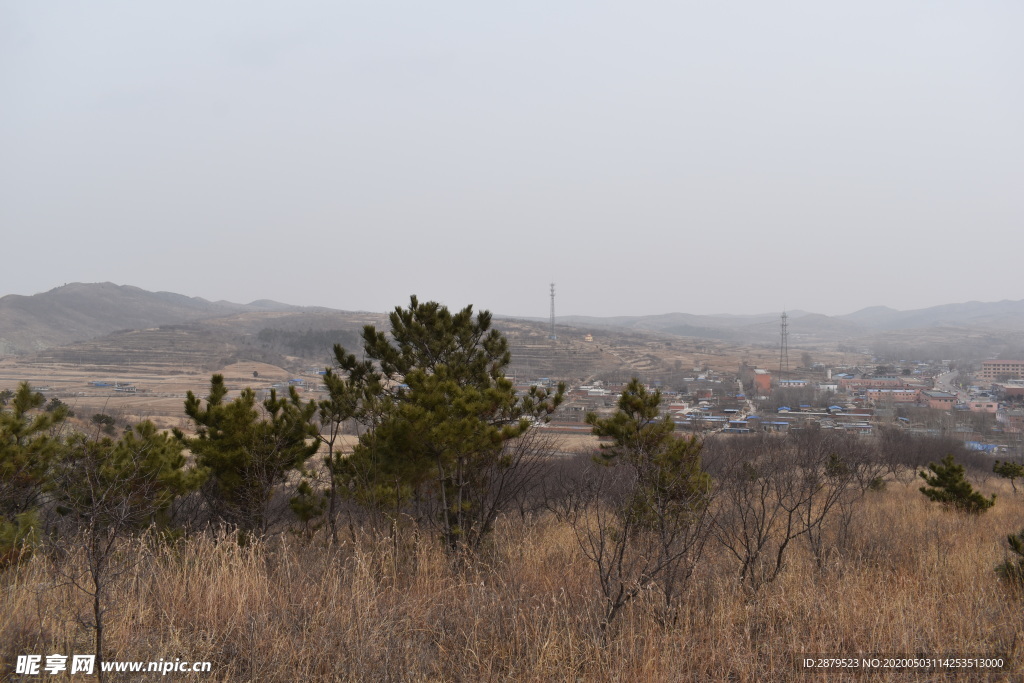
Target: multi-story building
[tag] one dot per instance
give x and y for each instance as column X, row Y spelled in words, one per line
column 893, row 395
column 939, row 400
column 760, row 381
column 1000, row 369
column 848, row 384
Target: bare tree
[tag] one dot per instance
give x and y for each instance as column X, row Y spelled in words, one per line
column 510, row 482
column 775, row 490
column 748, row 518
column 638, row 539
column 104, row 491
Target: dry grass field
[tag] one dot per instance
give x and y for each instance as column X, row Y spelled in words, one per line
column 160, row 396
column 378, row 604
column 913, row 579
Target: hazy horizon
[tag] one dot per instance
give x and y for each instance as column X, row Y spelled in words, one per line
column 477, row 306
column 732, row 158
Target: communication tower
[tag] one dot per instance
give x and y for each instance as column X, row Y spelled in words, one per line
column 784, row 346
column 551, row 335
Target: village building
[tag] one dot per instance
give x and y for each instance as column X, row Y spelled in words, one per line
column 893, row 395
column 993, row 370
column 848, row 384
column 983, row 406
column 939, row 400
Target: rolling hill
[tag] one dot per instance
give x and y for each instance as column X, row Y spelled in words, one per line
column 81, row 313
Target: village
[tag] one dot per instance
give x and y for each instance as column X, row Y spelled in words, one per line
column 983, row 409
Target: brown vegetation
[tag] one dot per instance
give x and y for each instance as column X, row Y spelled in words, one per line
column 912, row 578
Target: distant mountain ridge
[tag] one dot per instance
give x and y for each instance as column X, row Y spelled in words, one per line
column 999, row 314
column 80, row 311
column 995, row 316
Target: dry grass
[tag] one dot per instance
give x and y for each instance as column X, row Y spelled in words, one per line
column 916, row 580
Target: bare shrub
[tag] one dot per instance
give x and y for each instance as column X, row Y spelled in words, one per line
column 777, row 489
column 282, row 610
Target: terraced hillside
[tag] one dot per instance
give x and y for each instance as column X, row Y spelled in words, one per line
column 170, row 349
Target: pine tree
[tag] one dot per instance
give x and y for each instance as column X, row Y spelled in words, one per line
column 27, row 450
column 27, row 453
column 1009, row 470
column 136, row 477
column 350, row 396
column 245, row 451
column 658, row 526
column 108, row 489
column 1012, row 570
column 669, row 475
column 950, row 487
column 442, row 415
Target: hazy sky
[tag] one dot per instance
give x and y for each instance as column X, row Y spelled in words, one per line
column 649, row 157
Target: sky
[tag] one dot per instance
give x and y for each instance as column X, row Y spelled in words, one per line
column 647, row 157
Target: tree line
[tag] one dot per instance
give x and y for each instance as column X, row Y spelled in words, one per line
column 446, row 444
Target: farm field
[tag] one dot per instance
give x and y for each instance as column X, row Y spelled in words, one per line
column 164, row 364
column 159, row 396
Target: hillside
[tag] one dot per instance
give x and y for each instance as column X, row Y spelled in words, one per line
column 864, row 325
column 80, row 312
column 104, row 321
column 1007, row 315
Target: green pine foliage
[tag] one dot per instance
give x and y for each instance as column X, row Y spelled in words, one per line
column 245, row 449
column 56, row 404
column 948, row 485
column 28, row 450
column 18, row 537
column 439, row 413
column 307, row 504
column 657, row 526
column 127, row 483
column 1012, row 570
column 105, row 423
column 351, row 392
column 670, row 482
column 1009, row 470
